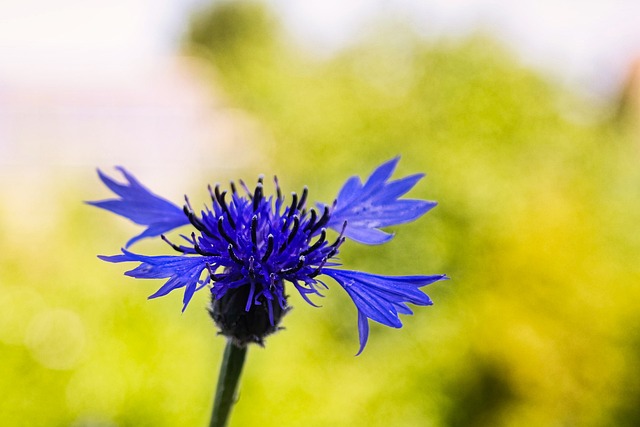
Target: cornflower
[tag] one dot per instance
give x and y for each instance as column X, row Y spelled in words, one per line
column 246, row 246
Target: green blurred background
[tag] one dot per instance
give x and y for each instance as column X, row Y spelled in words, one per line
column 539, row 204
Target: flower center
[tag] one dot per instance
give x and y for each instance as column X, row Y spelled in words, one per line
column 254, row 244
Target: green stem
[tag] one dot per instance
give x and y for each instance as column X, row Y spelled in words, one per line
column 230, row 370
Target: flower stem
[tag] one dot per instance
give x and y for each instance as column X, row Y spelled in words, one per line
column 230, row 369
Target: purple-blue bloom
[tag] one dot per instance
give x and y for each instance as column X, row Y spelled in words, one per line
column 247, row 245
column 141, row 206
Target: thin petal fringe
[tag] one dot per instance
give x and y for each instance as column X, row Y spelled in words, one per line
column 376, row 204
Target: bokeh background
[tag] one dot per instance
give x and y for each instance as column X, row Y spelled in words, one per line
column 524, row 115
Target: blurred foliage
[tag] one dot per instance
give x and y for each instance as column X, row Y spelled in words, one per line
column 538, row 198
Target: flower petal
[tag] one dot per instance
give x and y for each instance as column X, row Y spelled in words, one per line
column 375, row 204
column 363, row 331
column 182, row 271
column 382, row 298
column 141, row 206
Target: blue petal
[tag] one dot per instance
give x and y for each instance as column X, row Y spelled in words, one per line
column 182, row 271
column 141, row 206
column 382, row 298
column 363, row 331
column 370, row 236
column 376, row 204
column 350, row 189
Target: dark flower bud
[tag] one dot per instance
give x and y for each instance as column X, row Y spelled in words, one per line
column 244, row 326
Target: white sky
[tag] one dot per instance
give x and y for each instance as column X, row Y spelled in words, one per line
column 79, row 40
column 589, row 42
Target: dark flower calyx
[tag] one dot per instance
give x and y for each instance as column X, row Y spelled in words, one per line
column 245, row 326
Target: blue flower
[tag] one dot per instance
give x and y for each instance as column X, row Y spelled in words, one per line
column 246, row 245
